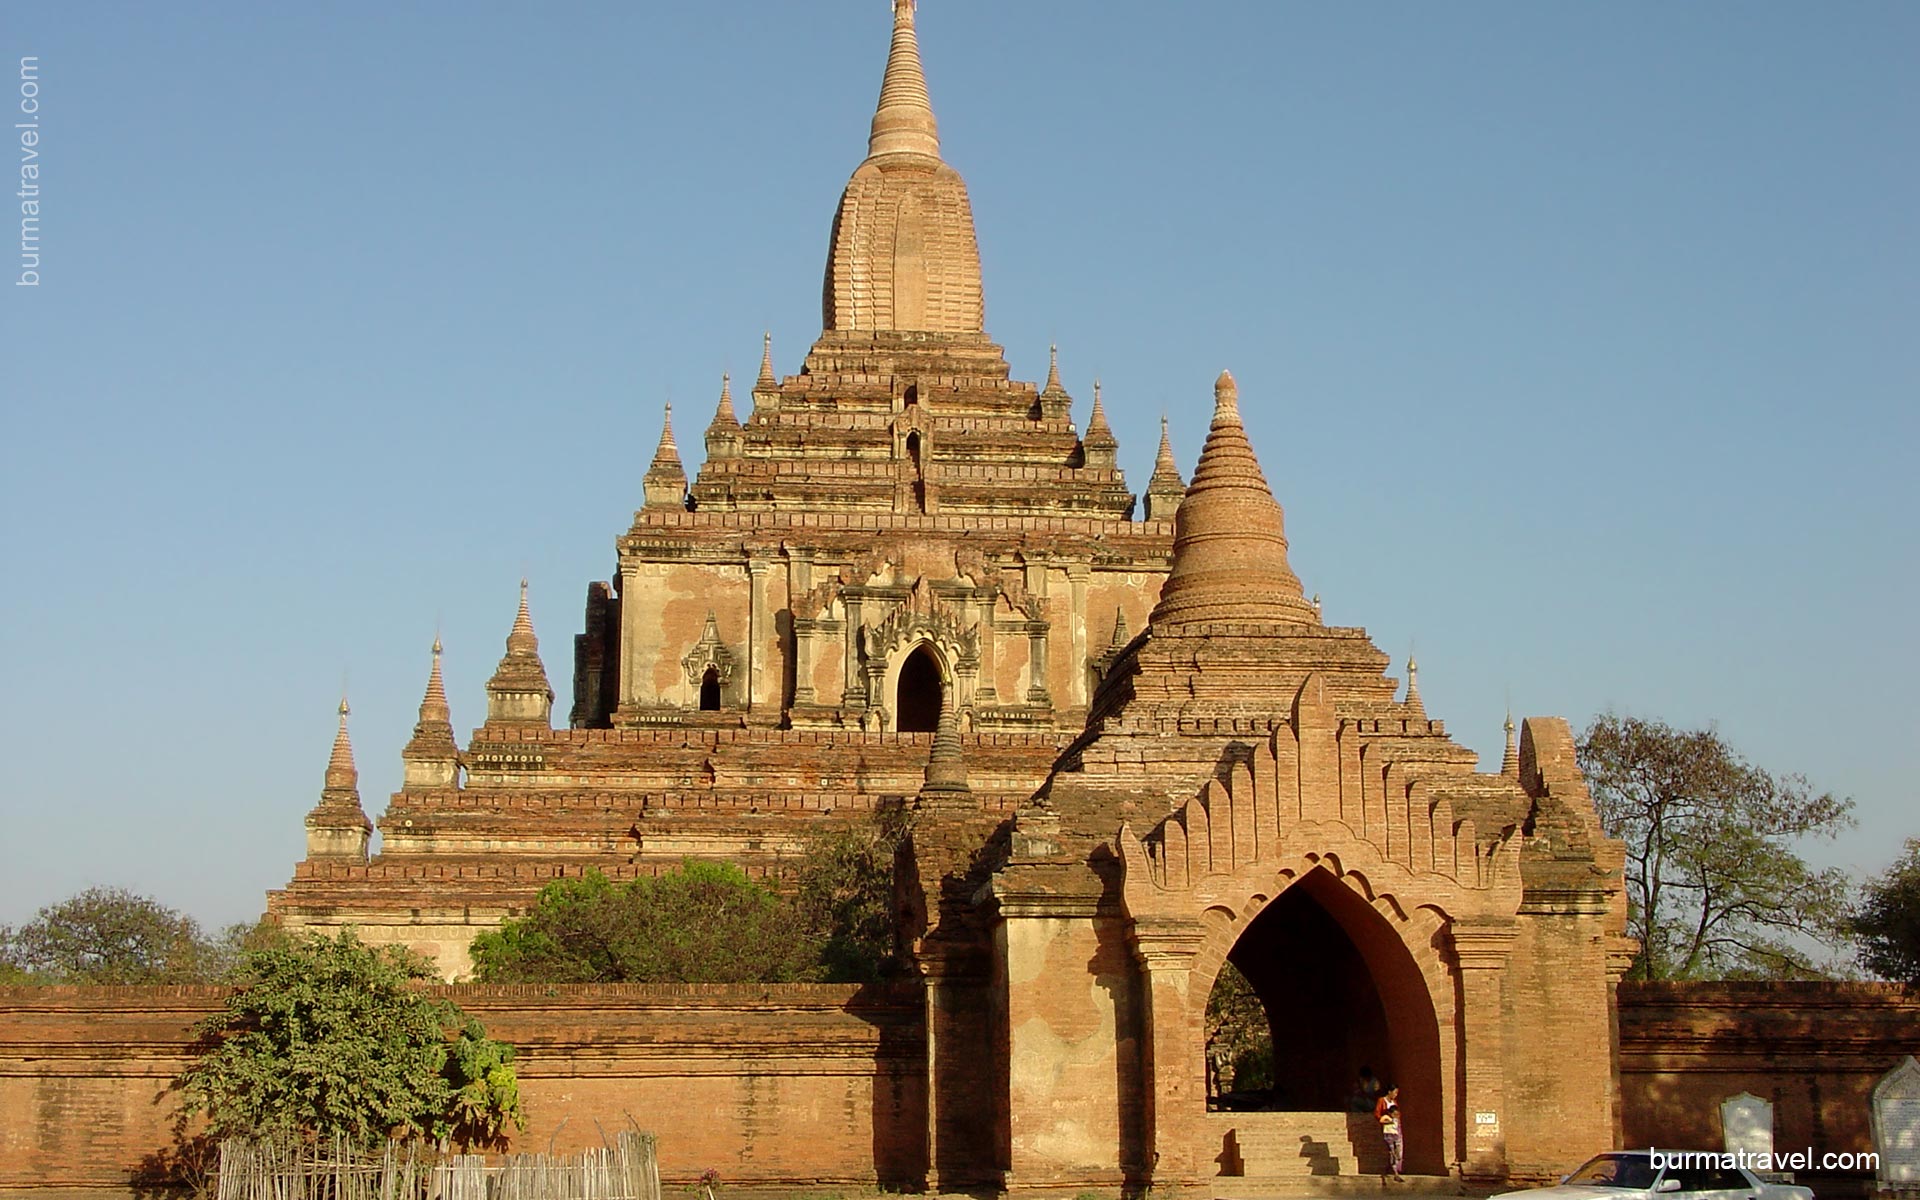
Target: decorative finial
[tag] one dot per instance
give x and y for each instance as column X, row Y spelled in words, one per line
column 766, row 382
column 1226, row 398
column 344, row 710
column 903, row 123
column 1413, row 684
column 436, row 645
column 1510, row 761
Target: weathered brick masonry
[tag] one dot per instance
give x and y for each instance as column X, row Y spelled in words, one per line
column 777, row 1084
column 1814, row 1050
column 812, row 1085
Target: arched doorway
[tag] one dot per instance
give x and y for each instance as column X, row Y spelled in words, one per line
column 918, row 695
column 1340, row 992
column 710, row 690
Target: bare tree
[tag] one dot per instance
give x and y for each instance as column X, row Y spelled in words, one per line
column 1714, row 885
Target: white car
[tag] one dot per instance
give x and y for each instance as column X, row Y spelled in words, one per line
column 1630, row 1174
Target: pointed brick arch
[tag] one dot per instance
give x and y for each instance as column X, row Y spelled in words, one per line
column 1427, row 901
column 1405, row 957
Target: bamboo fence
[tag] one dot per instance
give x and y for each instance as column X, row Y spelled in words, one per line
column 267, row 1170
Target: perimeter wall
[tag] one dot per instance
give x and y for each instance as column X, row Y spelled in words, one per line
column 808, row 1086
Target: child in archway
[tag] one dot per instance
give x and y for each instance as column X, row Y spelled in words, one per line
column 1387, row 1111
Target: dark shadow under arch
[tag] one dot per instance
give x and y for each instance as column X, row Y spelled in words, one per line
column 1341, row 991
column 710, row 690
column 917, row 697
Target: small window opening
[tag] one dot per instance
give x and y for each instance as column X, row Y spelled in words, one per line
column 710, row 690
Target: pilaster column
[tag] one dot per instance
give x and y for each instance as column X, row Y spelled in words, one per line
column 1482, row 949
column 1077, row 573
column 1174, row 1100
column 988, row 600
column 800, row 583
column 1037, row 692
column 759, row 623
column 853, row 687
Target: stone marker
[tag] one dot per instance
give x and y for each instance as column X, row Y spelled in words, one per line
column 1896, row 1127
column 1746, row 1125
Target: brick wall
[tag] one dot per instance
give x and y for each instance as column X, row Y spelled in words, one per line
column 803, row 1085
column 783, row 1084
column 1814, row 1049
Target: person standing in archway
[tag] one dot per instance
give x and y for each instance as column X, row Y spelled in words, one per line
column 1387, row 1111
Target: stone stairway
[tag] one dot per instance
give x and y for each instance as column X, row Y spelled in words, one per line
column 1280, row 1144
column 1263, row 1155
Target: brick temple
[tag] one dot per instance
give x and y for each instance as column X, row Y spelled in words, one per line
column 1133, row 749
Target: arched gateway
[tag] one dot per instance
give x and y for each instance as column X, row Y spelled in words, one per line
column 1252, row 788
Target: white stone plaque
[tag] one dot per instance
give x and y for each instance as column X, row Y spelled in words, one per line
column 1896, row 1127
column 1746, row 1125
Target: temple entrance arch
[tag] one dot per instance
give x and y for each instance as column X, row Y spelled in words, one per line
column 1341, row 990
column 919, row 692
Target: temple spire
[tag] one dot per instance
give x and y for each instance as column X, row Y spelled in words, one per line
column 767, row 381
column 665, row 483
column 904, row 256
column 903, row 123
column 1055, row 403
column 723, row 432
column 946, row 767
column 1413, row 687
column 1229, row 539
column 342, row 775
column 1102, row 448
column 518, row 693
column 431, row 757
column 1164, row 486
column 1510, row 761
column 337, row 827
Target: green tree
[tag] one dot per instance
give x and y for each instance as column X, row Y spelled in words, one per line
column 1239, row 1039
column 327, row 1036
column 701, row 923
column 108, row 936
column 844, row 897
column 1714, row 886
column 1887, row 919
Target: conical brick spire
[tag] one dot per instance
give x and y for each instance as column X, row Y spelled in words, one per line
column 1055, row 403
column 1413, row 687
column 1102, row 448
column 1229, row 542
column 342, row 775
column 723, row 433
column 946, row 767
column 665, row 482
column 1165, row 488
column 903, row 123
column 767, row 381
column 431, row 755
column 1510, row 761
column 518, row 693
column 337, row 827
column 723, row 413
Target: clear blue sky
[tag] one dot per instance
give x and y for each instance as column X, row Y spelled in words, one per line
column 1578, row 341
